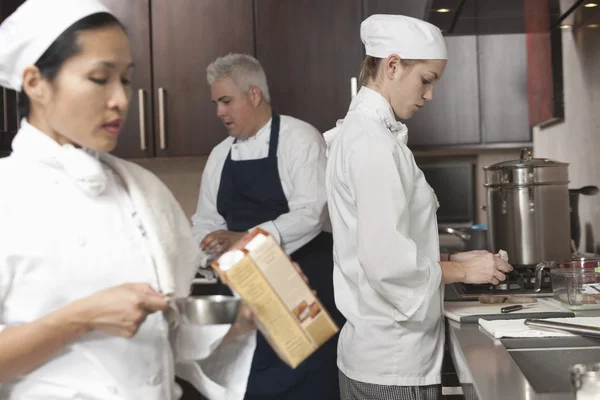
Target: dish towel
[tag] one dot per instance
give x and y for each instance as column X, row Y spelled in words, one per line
column 516, row 328
column 218, row 372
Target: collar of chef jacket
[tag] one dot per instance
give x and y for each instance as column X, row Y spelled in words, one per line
column 373, row 103
column 81, row 165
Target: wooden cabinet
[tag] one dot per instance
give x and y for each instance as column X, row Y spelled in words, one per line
column 503, row 88
column 171, row 111
column 310, row 49
column 9, row 113
column 137, row 137
column 186, row 36
column 452, row 118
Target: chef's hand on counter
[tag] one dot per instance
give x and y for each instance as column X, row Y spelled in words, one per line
column 218, row 242
column 120, row 310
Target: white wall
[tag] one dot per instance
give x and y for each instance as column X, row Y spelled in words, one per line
column 577, row 140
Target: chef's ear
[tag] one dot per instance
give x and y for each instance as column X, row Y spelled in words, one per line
column 392, row 65
column 35, row 86
column 255, row 95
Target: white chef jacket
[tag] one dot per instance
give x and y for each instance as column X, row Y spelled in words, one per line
column 387, row 277
column 301, row 162
column 60, row 244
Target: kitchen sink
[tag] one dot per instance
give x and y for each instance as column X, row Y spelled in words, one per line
column 547, row 369
column 545, row 362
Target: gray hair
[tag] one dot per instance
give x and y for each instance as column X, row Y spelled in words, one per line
column 245, row 71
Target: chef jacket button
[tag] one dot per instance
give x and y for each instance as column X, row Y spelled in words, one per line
column 81, row 241
column 155, row 380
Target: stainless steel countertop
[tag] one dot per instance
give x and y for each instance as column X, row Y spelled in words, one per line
column 486, row 369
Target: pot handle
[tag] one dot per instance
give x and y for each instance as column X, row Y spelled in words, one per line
column 526, row 154
column 539, row 269
column 462, row 235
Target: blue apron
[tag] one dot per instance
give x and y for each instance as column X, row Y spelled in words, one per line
column 250, row 193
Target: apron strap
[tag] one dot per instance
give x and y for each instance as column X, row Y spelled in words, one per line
column 274, row 139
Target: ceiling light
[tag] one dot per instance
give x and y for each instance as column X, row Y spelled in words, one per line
column 593, row 26
column 590, row 5
column 565, row 26
column 443, row 10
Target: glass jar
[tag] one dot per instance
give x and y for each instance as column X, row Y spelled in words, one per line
column 585, row 380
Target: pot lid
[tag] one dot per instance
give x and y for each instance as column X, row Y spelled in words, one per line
column 526, row 161
column 527, row 171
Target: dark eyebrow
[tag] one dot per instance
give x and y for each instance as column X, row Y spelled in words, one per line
column 112, row 65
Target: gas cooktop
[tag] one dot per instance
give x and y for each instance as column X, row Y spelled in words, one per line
column 521, row 280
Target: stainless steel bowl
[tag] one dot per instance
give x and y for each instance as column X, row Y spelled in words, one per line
column 208, row 310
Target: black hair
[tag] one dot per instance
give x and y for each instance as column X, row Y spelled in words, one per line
column 63, row 48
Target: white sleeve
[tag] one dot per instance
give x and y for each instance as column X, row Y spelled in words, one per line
column 207, row 219
column 382, row 179
column 304, row 162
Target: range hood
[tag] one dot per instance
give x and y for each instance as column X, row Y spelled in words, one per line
column 485, row 17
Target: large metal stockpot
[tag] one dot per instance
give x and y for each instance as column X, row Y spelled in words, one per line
column 528, row 209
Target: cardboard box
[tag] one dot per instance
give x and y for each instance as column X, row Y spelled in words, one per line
column 288, row 313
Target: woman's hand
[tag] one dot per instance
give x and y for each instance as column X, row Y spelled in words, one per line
column 464, row 256
column 121, row 310
column 244, row 322
column 481, row 266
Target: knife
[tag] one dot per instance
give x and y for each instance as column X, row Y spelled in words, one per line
column 516, row 307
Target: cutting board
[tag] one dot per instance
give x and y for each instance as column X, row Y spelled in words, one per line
column 471, row 311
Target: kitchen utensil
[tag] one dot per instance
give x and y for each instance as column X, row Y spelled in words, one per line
column 577, row 329
column 574, row 210
column 208, row 310
column 516, row 307
column 472, row 311
column 574, row 282
column 474, row 238
column 585, row 379
column 528, row 209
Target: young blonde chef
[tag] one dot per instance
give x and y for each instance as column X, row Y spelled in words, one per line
column 387, row 274
column 91, row 244
column 270, row 173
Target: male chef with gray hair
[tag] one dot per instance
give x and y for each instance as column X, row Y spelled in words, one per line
column 269, row 173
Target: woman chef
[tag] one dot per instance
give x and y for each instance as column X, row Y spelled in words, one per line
column 388, row 276
column 92, row 245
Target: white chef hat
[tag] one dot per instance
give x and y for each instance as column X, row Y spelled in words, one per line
column 410, row 38
column 32, row 28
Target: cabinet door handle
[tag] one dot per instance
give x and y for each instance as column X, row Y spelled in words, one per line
column 5, row 109
column 353, row 86
column 161, row 119
column 18, row 111
column 142, row 118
